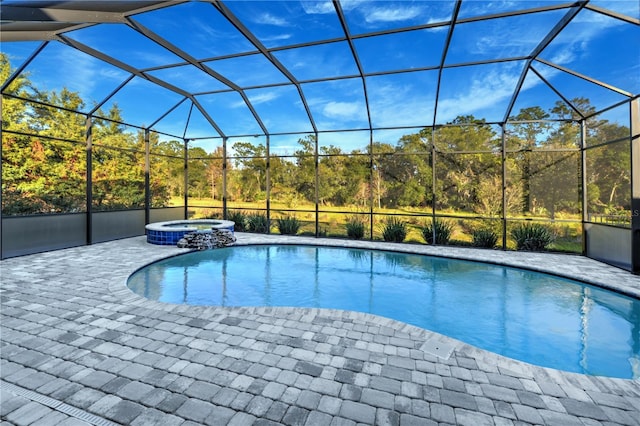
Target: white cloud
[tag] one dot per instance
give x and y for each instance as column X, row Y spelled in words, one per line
column 490, row 90
column 388, row 14
column 434, row 20
column 263, row 97
column 563, row 57
column 207, row 33
column 374, row 14
column 574, row 42
column 238, row 104
column 348, row 5
column 627, row 7
column 398, row 104
column 78, row 72
column 269, row 19
column 275, row 37
column 343, row 110
column 317, row 8
column 287, row 144
column 113, row 74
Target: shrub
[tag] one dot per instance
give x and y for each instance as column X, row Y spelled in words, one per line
column 257, row 222
column 355, row 228
column 288, row 225
column 532, row 236
column 239, row 218
column 206, row 214
column 484, row 238
column 394, row 230
column 443, row 232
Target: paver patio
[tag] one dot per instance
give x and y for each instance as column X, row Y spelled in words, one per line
column 79, row 348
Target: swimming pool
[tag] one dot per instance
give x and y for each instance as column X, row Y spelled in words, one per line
column 530, row 316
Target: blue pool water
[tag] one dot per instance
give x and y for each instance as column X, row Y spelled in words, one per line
column 529, row 316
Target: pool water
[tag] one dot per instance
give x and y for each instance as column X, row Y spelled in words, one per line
column 533, row 317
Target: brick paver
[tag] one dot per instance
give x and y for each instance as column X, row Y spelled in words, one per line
column 79, row 348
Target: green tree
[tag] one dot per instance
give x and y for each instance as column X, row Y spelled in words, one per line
column 332, row 175
column 407, row 173
column 380, row 180
column 214, row 171
column 14, row 111
column 468, row 155
column 608, row 168
column 306, row 168
column 198, row 178
column 45, row 172
column 356, row 174
column 250, row 176
column 556, row 173
column 529, row 127
column 167, row 170
column 282, row 172
column 118, row 165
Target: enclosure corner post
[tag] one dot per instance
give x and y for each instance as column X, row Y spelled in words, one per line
column 268, row 181
column 89, row 179
column 224, row 178
column 371, row 196
column 503, row 219
column 186, row 179
column 147, row 178
column 434, row 177
column 583, row 171
column 635, row 185
column 316, row 184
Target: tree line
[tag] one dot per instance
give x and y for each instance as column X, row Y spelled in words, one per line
column 458, row 166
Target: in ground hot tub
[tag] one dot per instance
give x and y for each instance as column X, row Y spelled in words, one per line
column 169, row 233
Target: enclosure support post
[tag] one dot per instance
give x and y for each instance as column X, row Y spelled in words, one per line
column 224, row 178
column 147, row 178
column 89, row 179
column 635, row 185
column 268, row 181
column 503, row 220
column 433, row 185
column 186, row 179
column 317, row 181
column 583, row 171
column 371, row 196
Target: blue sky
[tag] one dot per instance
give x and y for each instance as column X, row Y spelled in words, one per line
column 593, row 45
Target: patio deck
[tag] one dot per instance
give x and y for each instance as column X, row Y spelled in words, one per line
column 77, row 347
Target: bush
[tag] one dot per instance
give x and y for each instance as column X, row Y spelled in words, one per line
column 355, row 228
column 288, row 225
column 239, row 218
column 532, row 236
column 257, row 222
column 394, row 230
column 485, row 238
column 443, row 232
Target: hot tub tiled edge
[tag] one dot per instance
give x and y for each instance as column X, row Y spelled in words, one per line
column 159, row 232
